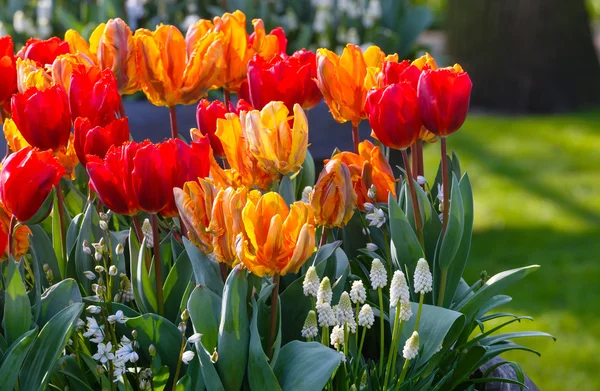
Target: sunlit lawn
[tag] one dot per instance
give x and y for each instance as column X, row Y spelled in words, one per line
column 537, row 201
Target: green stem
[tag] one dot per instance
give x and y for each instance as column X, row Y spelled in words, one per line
column 324, row 235
column 415, row 200
column 181, row 351
column 346, row 335
column 421, row 299
column 158, row 266
column 381, row 330
column 11, row 230
column 274, row 303
column 325, row 336
column 393, row 351
column 400, row 326
column 442, row 288
column 403, row 374
column 359, row 355
column 61, row 219
column 445, row 186
column 356, row 318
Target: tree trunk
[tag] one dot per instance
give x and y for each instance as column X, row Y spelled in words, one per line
column 525, row 55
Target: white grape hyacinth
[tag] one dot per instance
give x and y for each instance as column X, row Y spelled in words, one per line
column 324, row 294
column 423, row 280
column 344, row 314
column 405, row 312
column 310, row 329
column 378, row 274
column 358, row 293
column 326, row 315
column 366, row 318
column 411, row 347
column 311, row 282
column 399, row 292
column 337, row 337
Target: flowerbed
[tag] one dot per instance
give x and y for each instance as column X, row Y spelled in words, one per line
column 224, row 263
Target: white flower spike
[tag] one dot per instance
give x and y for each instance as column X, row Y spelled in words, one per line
column 399, row 292
column 366, row 318
column 411, row 348
column 310, row 329
column 311, row 282
column 324, row 294
column 358, row 293
column 378, row 274
column 423, row 280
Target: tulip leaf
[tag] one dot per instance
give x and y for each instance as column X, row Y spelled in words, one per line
column 57, row 298
column 89, row 231
column 286, row 189
column 194, row 371
column 306, row 176
column 72, row 235
column 12, row 360
column 209, row 372
column 260, row 374
column 459, row 262
column 205, row 313
column 234, row 333
column 143, row 283
column 17, row 307
column 175, row 286
column 47, row 348
column 492, row 287
column 43, row 253
column 158, row 331
column 206, row 271
column 454, row 229
column 305, row 366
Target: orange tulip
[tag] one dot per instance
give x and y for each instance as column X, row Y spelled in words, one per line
column 333, row 199
column 369, row 168
column 29, row 75
column 278, row 148
column 112, row 45
column 194, row 202
column 345, row 80
column 226, row 221
column 169, row 74
column 275, row 239
column 237, row 50
column 65, row 65
column 20, row 238
column 245, row 169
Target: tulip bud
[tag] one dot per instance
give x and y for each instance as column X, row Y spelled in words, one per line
column 333, row 198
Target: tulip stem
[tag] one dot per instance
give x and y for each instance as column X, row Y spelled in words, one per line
column 226, row 98
column 173, row 117
column 355, row 137
column 421, row 165
column 415, row 200
column 324, row 235
column 11, row 230
column 274, row 302
column 445, row 186
column 61, row 219
column 157, row 265
column 138, row 231
column 414, row 156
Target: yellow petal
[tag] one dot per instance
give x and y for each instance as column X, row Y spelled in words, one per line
column 13, row 136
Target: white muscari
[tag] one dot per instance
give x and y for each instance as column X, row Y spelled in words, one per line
column 376, row 218
column 311, row 282
column 366, row 318
column 324, row 293
column 344, row 313
column 310, row 329
column 147, row 231
column 423, row 280
column 326, row 315
column 358, row 293
column 411, row 347
column 306, row 193
column 405, row 312
column 399, row 292
column 378, row 274
column 337, row 337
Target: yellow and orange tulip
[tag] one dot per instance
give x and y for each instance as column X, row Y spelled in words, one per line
column 64, row 65
column 275, row 238
column 168, row 73
column 20, row 238
column 333, row 199
column 345, row 80
column 278, row 148
column 29, row 74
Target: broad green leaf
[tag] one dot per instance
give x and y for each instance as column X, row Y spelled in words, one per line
column 234, row 333
column 468, row 361
column 209, row 372
column 260, row 374
column 306, row 176
column 493, row 303
column 496, row 350
column 176, row 285
column 17, row 307
column 47, row 348
column 415, row 20
column 42, row 251
column 454, row 229
column 286, row 189
column 12, row 360
column 144, row 286
column 405, row 247
column 492, row 287
column 195, row 373
column 205, row 313
column 206, row 271
column 305, row 366
column 494, row 339
column 160, row 378
column 456, row 269
column 57, row 298
column 72, row 235
column 158, row 331
column 74, row 374
column 89, row 231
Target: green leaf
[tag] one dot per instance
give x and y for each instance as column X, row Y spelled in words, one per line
column 306, row 176
column 495, row 350
column 17, row 307
column 206, row 271
column 493, row 303
column 286, row 189
column 492, row 287
column 454, row 230
column 47, row 348
column 160, row 378
column 234, row 333
column 205, row 313
column 176, row 285
column 184, row 384
column 415, row 20
column 143, row 283
column 12, row 360
column 56, row 231
column 195, row 373
column 84, row 262
column 493, row 339
column 158, row 331
column 209, row 372
column 42, row 252
column 57, row 298
column 459, row 262
column 305, row 366
column 468, row 361
column 260, row 374
column 405, row 247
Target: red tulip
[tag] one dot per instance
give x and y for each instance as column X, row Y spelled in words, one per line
column 111, row 178
column 8, row 69
column 443, row 96
column 191, row 162
column 396, row 72
column 289, row 79
column 242, row 105
column 281, row 39
column 94, row 96
column 207, row 114
column 394, row 115
column 43, row 52
column 43, row 117
column 26, row 179
column 97, row 140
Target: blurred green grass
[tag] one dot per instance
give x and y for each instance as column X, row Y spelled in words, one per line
column 536, row 182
